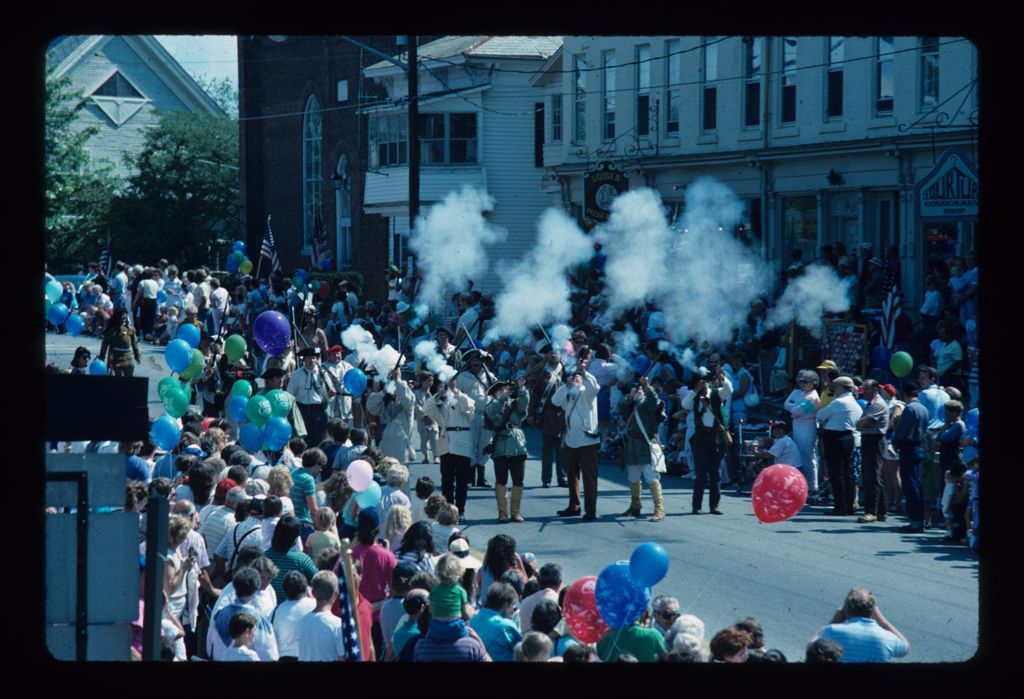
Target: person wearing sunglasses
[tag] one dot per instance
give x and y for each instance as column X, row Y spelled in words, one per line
column 665, row 611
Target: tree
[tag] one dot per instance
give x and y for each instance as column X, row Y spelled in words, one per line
column 78, row 191
column 223, row 92
column 182, row 203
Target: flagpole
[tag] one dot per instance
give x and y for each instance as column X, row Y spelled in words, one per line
column 353, row 593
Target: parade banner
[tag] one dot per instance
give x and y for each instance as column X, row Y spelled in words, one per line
column 600, row 187
column 949, row 193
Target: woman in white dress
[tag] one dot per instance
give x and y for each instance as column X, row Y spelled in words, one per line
column 805, row 431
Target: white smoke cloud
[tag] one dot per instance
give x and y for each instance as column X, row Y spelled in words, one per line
column 685, row 356
column 427, row 351
column 626, row 344
column 536, row 290
column 383, row 359
column 635, row 240
column 449, row 241
column 817, row 291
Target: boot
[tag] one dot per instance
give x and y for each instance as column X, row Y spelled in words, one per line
column 634, row 502
column 517, row 498
column 500, row 494
column 481, row 481
column 659, row 501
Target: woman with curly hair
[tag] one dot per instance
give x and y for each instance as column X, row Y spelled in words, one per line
column 338, row 496
column 501, row 557
column 279, row 480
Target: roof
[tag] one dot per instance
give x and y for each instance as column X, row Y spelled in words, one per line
column 62, row 47
column 459, row 47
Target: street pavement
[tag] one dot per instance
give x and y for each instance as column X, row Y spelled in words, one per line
column 791, row 576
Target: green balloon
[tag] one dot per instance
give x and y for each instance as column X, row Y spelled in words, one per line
column 195, row 365
column 901, row 364
column 176, row 402
column 167, row 386
column 245, row 266
column 54, row 290
column 241, row 388
column 258, row 410
column 235, row 348
column 280, row 402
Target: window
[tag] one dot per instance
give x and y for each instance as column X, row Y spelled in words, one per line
column 389, row 140
column 538, row 134
column 883, row 75
column 343, row 90
column 608, row 93
column 117, row 86
column 788, row 91
column 447, row 138
column 800, row 225
column 834, row 85
column 643, row 90
column 673, row 88
column 345, row 227
column 312, row 165
column 580, row 111
column 752, row 71
column 556, row 118
column 929, row 71
column 710, row 96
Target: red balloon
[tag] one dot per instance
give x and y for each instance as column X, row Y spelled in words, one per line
column 779, row 492
column 580, row 611
column 325, row 289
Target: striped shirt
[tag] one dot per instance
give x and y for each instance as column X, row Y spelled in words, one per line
column 216, row 525
column 864, row 641
column 286, row 563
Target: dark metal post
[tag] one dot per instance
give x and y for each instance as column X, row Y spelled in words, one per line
column 414, row 136
column 156, row 543
column 81, row 559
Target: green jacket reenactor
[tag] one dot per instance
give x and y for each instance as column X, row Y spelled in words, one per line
column 508, row 405
column 120, row 348
column 643, row 412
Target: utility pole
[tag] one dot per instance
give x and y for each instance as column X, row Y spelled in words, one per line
column 414, row 136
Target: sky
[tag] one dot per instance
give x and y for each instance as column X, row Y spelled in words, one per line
column 210, row 56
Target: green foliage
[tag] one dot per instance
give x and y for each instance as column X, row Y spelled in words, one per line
column 78, row 191
column 223, row 92
column 182, row 203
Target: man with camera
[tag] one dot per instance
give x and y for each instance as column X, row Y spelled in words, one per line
column 312, row 392
column 710, row 391
column 643, row 412
column 577, row 396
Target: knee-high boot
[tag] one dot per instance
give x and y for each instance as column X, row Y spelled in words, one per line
column 517, row 499
column 500, row 494
column 634, row 501
column 659, row 501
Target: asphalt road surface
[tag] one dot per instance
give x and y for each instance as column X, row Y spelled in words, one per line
column 790, row 576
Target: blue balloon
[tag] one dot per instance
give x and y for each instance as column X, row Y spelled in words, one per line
column 862, row 403
column 237, row 407
column 74, row 325
column 190, row 334
column 648, row 564
column 239, row 246
column 165, row 432
column 971, row 420
column 355, row 381
column 277, row 430
column 641, row 364
column 178, row 355
column 232, row 264
column 58, row 313
column 880, row 357
column 620, row 599
column 251, row 437
column 97, row 368
column 161, row 296
column 272, row 332
column 806, row 406
column 326, row 265
column 369, row 497
column 275, row 444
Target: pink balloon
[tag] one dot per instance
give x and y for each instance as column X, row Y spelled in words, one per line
column 360, row 475
column 779, row 492
column 581, row 613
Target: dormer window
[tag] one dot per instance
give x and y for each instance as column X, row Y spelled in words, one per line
column 117, row 86
column 118, row 98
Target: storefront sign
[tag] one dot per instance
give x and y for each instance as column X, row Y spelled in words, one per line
column 600, row 187
column 949, row 193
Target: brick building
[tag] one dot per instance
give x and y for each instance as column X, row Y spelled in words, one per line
column 304, row 149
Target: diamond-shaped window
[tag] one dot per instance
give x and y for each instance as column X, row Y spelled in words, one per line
column 117, row 86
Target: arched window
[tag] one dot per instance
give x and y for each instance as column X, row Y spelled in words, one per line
column 312, row 167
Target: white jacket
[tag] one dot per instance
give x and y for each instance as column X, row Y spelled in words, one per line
column 398, row 415
column 455, row 411
column 580, row 406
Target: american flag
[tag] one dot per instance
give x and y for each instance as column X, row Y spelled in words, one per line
column 892, row 308
column 269, row 250
column 349, row 628
column 314, row 258
column 105, row 258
